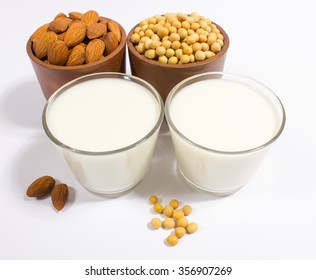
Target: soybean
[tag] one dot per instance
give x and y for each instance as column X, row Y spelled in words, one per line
column 192, row 227
column 180, row 232
column 156, row 223
column 172, row 240
column 169, row 223
column 158, row 208
column 153, row 199
column 174, row 203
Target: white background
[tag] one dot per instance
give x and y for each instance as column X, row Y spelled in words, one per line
column 273, row 217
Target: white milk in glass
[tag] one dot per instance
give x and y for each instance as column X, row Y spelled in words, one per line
column 97, row 120
column 226, row 126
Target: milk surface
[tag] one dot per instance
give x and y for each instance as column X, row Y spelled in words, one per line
column 224, row 115
column 103, row 114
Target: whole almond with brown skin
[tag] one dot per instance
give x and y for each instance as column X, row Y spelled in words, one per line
column 75, row 15
column 58, row 53
column 41, row 186
column 111, row 42
column 82, row 44
column 103, row 20
column 77, row 56
column 40, row 31
column 94, row 50
column 60, row 15
column 90, row 17
column 41, row 44
column 60, row 196
column 114, row 27
column 60, row 25
column 61, row 36
column 96, row 30
column 75, row 33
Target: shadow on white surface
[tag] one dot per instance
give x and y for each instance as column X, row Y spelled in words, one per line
column 164, row 178
column 38, row 158
column 22, row 105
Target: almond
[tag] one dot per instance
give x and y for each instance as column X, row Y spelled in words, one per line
column 90, row 17
column 60, row 25
column 60, row 196
column 96, row 30
column 115, row 28
column 60, row 15
column 58, row 53
column 75, row 15
column 61, row 36
column 77, row 56
column 39, row 32
column 41, row 44
column 103, row 20
column 82, row 44
column 75, row 33
column 41, row 186
column 111, row 42
column 94, row 50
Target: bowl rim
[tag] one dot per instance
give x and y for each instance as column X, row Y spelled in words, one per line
column 38, row 61
column 221, row 53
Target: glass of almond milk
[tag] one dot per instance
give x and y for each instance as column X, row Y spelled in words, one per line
column 222, row 126
column 105, row 125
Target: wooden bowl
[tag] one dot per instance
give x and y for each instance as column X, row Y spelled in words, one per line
column 51, row 77
column 165, row 76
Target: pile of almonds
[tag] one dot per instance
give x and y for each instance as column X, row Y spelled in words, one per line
column 177, row 38
column 46, row 185
column 76, row 39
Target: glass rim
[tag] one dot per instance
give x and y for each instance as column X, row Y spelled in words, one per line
column 196, row 78
column 78, row 80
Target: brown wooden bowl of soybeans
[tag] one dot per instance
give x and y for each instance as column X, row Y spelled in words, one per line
column 166, row 49
column 74, row 45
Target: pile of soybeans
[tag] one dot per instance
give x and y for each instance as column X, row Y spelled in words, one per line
column 177, row 38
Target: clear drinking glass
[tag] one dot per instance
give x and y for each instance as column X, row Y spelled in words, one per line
column 108, row 172
column 225, row 168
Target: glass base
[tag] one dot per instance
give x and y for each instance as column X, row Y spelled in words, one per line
column 112, row 194
column 208, row 190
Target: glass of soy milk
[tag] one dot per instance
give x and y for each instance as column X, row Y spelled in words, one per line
column 222, row 126
column 105, row 125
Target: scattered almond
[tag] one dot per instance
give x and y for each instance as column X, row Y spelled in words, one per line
column 60, row 196
column 47, row 184
column 41, row 186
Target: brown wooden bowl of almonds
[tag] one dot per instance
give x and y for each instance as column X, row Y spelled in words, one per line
column 166, row 49
column 74, row 45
